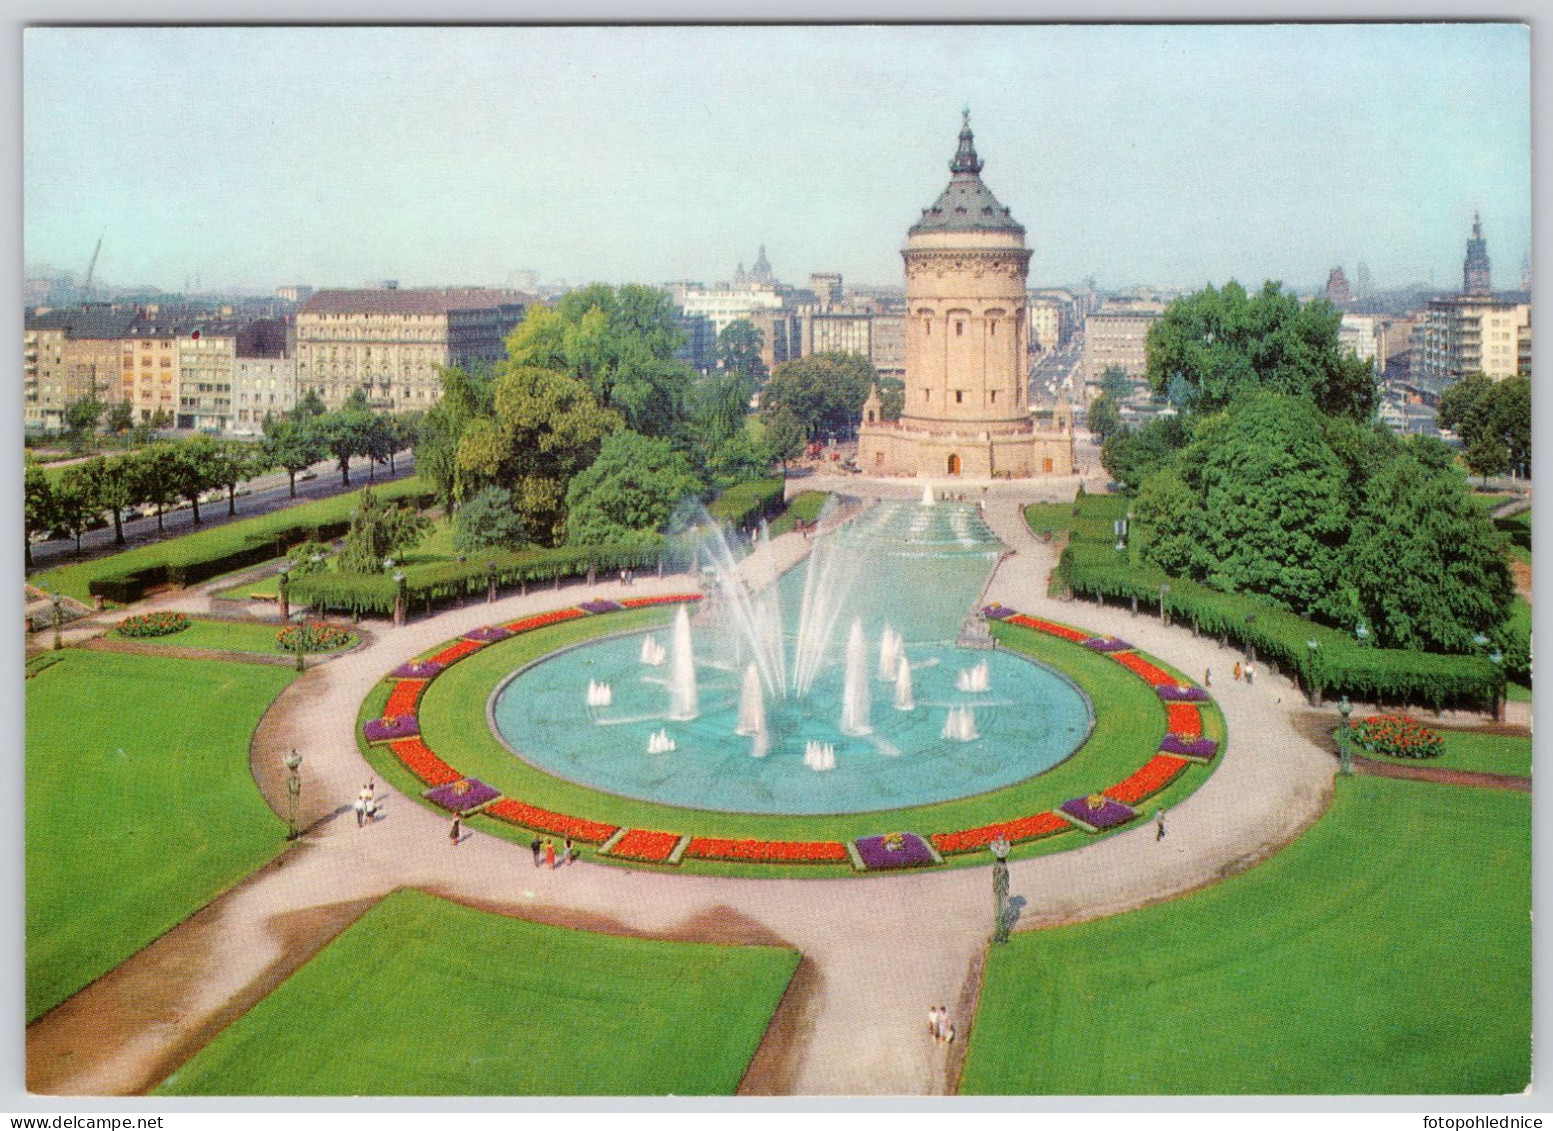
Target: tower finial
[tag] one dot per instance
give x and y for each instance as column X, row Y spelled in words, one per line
column 965, row 159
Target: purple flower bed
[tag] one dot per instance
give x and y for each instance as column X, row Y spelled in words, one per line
column 1108, row 816
column 997, row 612
column 423, row 669
column 381, row 730
column 1107, row 644
column 462, row 795
column 489, row 633
column 599, row 606
column 1189, row 747
column 875, row 855
column 1170, row 693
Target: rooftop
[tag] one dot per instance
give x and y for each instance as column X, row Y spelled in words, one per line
column 966, row 205
column 420, row 301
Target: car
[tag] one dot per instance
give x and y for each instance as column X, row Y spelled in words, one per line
column 304, row 476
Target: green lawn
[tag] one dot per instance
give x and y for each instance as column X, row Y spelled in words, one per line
column 72, row 579
column 1386, row 951
column 140, row 805
column 264, row 587
column 1130, row 724
column 423, row 997
column 1470, row 750
column 222, row 636
column 804, row 506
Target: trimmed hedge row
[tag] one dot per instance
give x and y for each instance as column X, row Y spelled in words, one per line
column 1339, row 665
column 428, row 586
column 747, row 503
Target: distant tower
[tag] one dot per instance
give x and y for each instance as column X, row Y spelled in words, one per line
column 740, row 279
column 1475, row 276
column 1337, row 288
column 1364, row 284
column 761, row 272
column 1526, row 273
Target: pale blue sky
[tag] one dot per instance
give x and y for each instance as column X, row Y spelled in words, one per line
column 1170, row 155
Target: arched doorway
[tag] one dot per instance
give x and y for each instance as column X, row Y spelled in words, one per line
column 954, row 465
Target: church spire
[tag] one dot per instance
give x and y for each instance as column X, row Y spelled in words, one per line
column 965, row 159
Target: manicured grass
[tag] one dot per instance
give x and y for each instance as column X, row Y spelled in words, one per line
column 72, row 579
column 1386, row 951
column 1130, row 723
column 423, row 997
column 1517, row 692
column 140, row 805
column 222, row 636
column 264, row 587
column 804, row 506
column 1470, row 750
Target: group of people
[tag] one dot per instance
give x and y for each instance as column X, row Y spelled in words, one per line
column 939, row 1025
column 545, row 850
column 366, row 804
column 1243, row 671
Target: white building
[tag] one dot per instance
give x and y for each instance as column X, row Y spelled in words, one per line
column 262, row 386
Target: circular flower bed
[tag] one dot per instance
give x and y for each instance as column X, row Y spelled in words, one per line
column 315, row 636
column 147, row 625
column 1397, row 736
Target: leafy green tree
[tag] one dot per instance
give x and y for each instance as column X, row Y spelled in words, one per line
column 156, row 471
column 1129, row 455
column 738, row 459
column 1115, row 383
column 81, row 416
column 38, row 505
column 293, row 444
column 1428, row 567
column 309, row 406
column 823, row 392
column 547, row 428
column 347, row 433
column 1222, row 343
column 1167, row 524
column 627, row 494
column 309, row 558
column 382, row 441
column 467, row 395
column 379, row 532
column 722, row 403
column 1105, row 419
column 200, row 467
column 738, row 350
column 113, row 485
column 235, row 462
column 1493, row 419
column 76, row 506
column 488, row 521
column 785, row 438
column 121, row 418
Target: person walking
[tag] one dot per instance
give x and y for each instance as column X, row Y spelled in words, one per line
column 1249, row 673
column 1159, row 823
column 932, row 1021
column 534, row 846
column 361, row 807
column 1207, row 677
column 569, row 853
column 549, row 853
column 455, row 833
column 1237, row 671
column 371, row 799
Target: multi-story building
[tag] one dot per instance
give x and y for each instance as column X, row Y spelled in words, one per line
column 1360, row 335
column 149, row 372
column 1051, row 314
column 294, row 294
column 1337, row 288
column 887, row 340
column 207, row 364
column 70, row 355
column 262, row 386
column 1117, row 335
column 1473, row 334
column 390, row 343
column 838, row 331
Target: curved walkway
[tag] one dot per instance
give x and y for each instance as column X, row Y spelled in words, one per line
column 877, row 951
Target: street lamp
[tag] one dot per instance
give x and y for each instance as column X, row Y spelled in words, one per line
column 293, row 791
column 399, row 599
column 1311, row 679
column 285, row 592
column 55, row 599
column 1000, row 923
column 1362, row 631
column 1345, row 709
column 1163, row 589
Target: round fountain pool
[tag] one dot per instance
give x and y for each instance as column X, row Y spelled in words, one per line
column 811, row 712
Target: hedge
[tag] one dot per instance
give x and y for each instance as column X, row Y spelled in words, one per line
column 747, row 503
column 1339, row 665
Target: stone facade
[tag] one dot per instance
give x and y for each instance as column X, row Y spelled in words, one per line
column 967, row 338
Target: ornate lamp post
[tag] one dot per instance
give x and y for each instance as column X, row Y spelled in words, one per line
column 1000, row 922
column 1163, row 589
column 400, row 599
column 1345, row 709
column 285, row 592
column 293, row 791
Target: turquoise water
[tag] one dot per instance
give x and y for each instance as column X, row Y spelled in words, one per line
column 917, row 569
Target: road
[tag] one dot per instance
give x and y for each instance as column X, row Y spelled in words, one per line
column 269, row 493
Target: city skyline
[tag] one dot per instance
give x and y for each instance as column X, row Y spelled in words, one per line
column 1173, row 155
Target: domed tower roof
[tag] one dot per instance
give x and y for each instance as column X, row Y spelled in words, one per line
column 966, row 205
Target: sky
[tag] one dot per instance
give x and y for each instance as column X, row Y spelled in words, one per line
column 1157, row 155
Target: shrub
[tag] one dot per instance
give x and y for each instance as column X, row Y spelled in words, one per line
column 152, row 624
column 1397, row 736
column 313, row 636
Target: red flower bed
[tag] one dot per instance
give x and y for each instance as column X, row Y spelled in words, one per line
column 1397, row 736
column 1139, row 666
column 671, row 599
column 1158, row 772
column 1184, row 719
column 421, row 762
column 542, row 820
column 1025, row 828
column 457, row 651
column 644, row 844
column 769, row 851
column 401, row 701
column 528, row 624
column 1049, row 627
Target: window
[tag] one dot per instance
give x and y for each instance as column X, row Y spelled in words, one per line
column 959, row 329
column 927, row 394
column 994, row 396
column 959, row 396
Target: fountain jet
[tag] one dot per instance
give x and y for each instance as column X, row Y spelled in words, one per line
column 682, row 680
column 890, row 651
column 752, row 710
column 903, row 696
column 653, row 653
column 974, row 679
column 960, row 726
column 854, row 694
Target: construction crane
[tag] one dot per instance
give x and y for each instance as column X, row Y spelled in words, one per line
column 86, row 285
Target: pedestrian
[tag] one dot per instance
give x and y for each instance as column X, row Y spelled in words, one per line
column 534, row 847
column 1159, row 823
column 945, row 1026
column 371, row 800
column 569, row 853
column 1249, row 674
column 932, row 1021
column 360, row 805
column 455, row 833
column 1237, row 671
column 549, row 853
column 1207, row 677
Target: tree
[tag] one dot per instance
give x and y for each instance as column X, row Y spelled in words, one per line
column 547, row 427
column 1428, row 567
column 1493, row 419
column 738, row 350
column 1105, row 419
column 347, row 433
column 823, row 392
column 1167, row 524
column 113, row 485
column 81, row 416
column 199, row 460
column 1115, row 383
column 738, row 459
column 75, row 503
column 627, row 494
column 38, row 505
column 722, row 403
column 156, row 472
column 379, row 532
column 382, row 440
column 467, row 395
column 309, row 406
column 1129, row 455
column 785, row 437
column 1222, row 343
column 234, row 462
column 293, row 444
column 121, row 418
column 892, row 398
column 488, row 521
